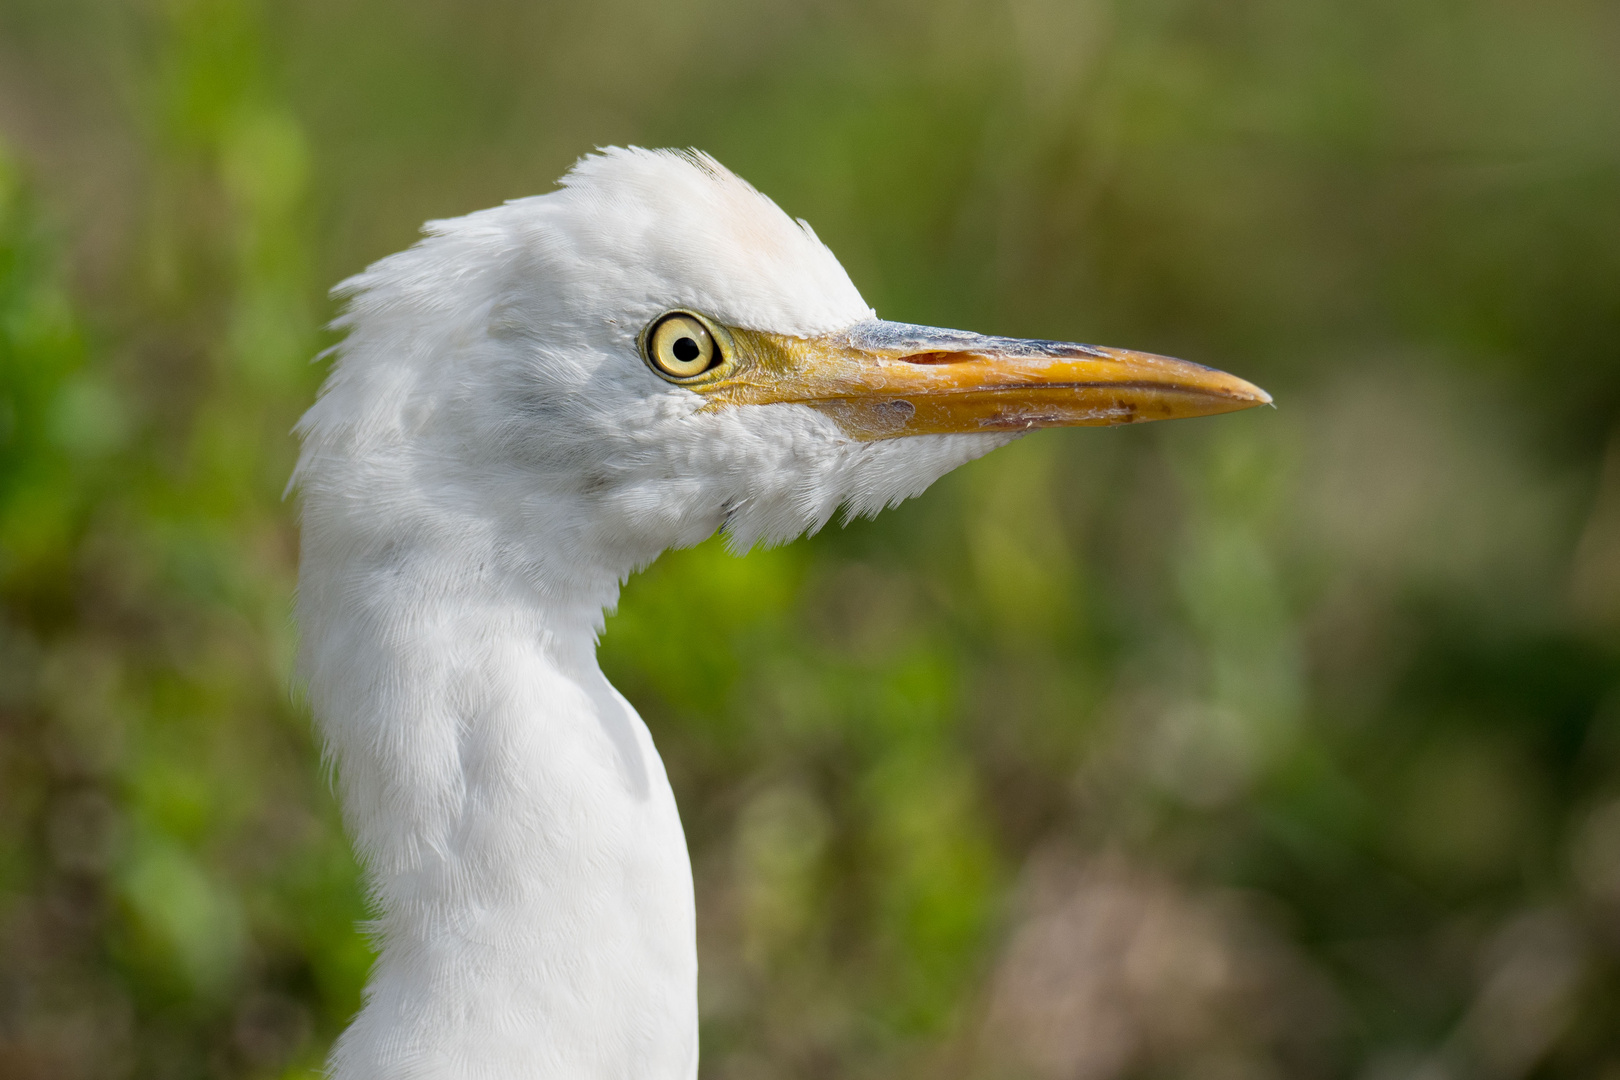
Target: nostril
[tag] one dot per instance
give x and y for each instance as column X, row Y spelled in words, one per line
column 934, row 357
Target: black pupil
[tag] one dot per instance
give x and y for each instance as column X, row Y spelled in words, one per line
column 686, row 350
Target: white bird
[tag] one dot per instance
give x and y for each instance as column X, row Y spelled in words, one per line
column 529, row 405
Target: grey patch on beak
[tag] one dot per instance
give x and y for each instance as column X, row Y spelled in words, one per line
column 910, row 339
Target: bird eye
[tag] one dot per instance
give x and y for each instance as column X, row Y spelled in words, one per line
column 680, row 346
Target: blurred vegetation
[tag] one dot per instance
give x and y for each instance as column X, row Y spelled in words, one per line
column 1280, row 744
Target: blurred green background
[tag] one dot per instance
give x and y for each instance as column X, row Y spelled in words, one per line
column 1283, row 744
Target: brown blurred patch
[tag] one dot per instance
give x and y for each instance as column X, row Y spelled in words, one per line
column 270, row 1030
column 1115, row 968
column 1529, row 973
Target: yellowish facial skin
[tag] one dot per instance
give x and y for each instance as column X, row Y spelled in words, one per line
column 885, row 380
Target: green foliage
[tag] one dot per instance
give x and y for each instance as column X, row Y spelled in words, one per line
column 1284, row 743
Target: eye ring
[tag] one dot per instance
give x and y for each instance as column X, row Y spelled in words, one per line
column 681, row 345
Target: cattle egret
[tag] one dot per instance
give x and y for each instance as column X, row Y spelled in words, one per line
column 529, row 405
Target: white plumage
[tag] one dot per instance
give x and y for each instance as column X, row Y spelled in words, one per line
column 494, row 452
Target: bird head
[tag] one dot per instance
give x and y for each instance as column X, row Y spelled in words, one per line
column 655, row 351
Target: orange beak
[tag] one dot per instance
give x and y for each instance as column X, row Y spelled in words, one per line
column 884, row 380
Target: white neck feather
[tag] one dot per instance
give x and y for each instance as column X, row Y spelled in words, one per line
column 522, row 844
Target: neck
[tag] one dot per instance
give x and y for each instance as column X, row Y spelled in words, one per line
column 520, row 838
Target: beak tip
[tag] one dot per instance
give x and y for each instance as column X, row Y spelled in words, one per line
column 1253, row 395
